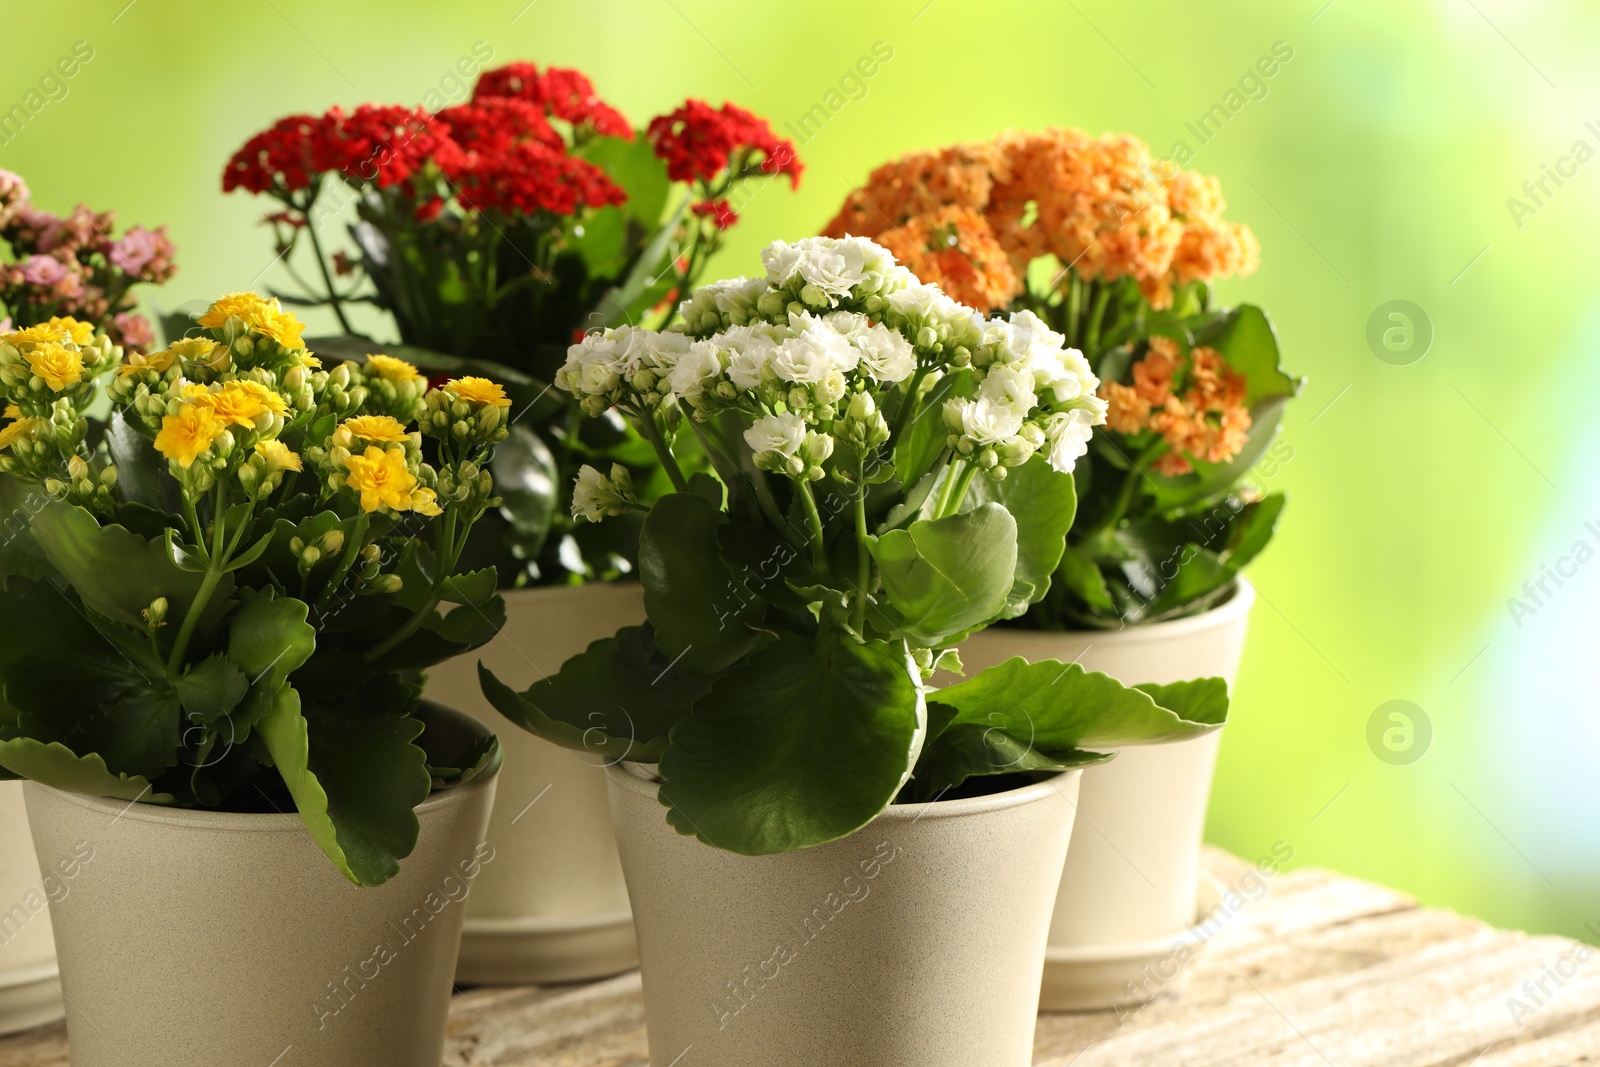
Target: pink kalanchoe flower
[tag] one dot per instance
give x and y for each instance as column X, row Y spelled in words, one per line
column 43, row 271
column 13, row 195
column 133, row 331
column 133, row 253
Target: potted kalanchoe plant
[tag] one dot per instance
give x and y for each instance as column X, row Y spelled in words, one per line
column 891, row 472
column 54, row 266
column 1118, row 252
column 492, row 232
column 211, row 678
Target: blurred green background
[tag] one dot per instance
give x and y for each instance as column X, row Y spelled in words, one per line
column 1375, row 166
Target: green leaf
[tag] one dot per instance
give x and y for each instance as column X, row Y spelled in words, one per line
column 1252, row 530
column 211, row 688
column 1043, row 502
column 69, row 684
column 918, row 444
column 268, row 641
column 527, row 480
column 946, row 576
column 965, row 750
column 618, row 698
column 57, row 766
column 476, row 588
column 118, row 573
column 356, row 779
column 1203, row 700
column 620, row 301
column 805, row 742
column 635, row 166
column 1197, row 580
column 139, row 466
column 1055, row 706
column 701, row 616
column 1081, row 576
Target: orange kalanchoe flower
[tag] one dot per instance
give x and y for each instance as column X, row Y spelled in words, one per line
column 954, row 249
column 1101, row 205
column 1209, row 421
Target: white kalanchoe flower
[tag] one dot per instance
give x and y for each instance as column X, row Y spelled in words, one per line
column 1067, row 437
column 826, row 269
column 698, row 369
column 1011, row 388
column 750, row 350
column 886, row 355
column 725, row 303
column 814, row 352
column 595, row 496
column 782, row 434
column 981, row 422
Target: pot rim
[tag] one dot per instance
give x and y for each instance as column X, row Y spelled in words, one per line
column 1231, row 610
column 247, row 822
column 626, row 775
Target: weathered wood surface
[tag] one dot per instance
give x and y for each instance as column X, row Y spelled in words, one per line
column 1318, row 970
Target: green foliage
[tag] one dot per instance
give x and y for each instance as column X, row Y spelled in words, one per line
column 1148, row 547
column 802, row 743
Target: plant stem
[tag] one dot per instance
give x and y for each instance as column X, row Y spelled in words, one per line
column 954, row 490
column 1074, row 307
column 322, row 264
column 863, row 557
column 191, row 618
column 902, row 417
column 352, row 548
column 646, row 421
column 1130, row 481
column 819, row 548
column 1091, row 339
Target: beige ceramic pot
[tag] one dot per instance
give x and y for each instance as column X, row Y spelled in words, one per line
column 199, row 938
column 553, row 907
column 916, row 942
column 28, row 993
column 1133, row 873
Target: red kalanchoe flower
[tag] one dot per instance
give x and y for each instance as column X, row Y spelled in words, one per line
column 287, row 156
column 561, row 92
column 697, row 142
column 386, row 145
column 718, row 209
column 529, row 178
column 495, row 123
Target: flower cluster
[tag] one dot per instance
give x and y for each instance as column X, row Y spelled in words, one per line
column 809, row 354
column 501, row 151
column 1197, row 407
column 47, row 374
column 1102, row 206
column 71, row 266
column 698, row 142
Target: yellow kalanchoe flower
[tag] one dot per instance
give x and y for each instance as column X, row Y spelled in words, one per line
column 375, row 428
column 278, row 455
column 278, row 324
column 391, row 369
column 231, row 306
column 382, row 479
column 79, row 333
column 478, row 391
column 57, row 364
column 189, row 433
column 265, row 317
column 423, row 502
column 234, row 405
column 270, row 398
column 201, row 350
column 16, row 430
column 159, row 362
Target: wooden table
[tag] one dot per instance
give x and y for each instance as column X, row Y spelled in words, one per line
column 1319, row 970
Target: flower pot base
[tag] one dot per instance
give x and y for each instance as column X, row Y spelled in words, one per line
column 540, row 950
column 1123, row 976
column 29, row 997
